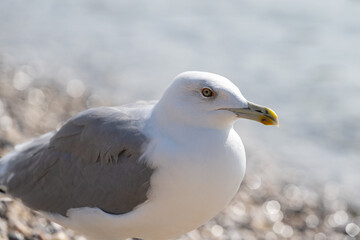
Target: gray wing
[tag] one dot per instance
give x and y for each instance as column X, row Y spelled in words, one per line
column 94, row 160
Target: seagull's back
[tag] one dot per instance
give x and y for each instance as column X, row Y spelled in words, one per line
column 78, row 165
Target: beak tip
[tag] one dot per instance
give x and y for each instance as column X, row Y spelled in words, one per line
column 272, row 117
column 276, row 124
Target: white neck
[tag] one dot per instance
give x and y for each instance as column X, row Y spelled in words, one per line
column 178, row 129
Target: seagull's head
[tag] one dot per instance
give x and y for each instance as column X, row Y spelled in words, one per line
column 210, row 100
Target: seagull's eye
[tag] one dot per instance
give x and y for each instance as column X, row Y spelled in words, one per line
column 207, row 92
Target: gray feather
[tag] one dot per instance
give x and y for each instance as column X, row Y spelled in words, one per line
column 94, row 160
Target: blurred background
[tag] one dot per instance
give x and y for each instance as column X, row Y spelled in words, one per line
column 300, row 58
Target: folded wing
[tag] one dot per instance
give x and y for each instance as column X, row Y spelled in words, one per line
column 95, row 160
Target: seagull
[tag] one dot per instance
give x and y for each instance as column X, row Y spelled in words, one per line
column 147, row 170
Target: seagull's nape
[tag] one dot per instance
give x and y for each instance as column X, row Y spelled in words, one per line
column 152, row 171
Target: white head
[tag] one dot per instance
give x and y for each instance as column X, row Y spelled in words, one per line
column 208, row 100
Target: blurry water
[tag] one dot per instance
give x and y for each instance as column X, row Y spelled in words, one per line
column 302, row 58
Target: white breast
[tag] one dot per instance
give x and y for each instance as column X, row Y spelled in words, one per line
column 198, row 183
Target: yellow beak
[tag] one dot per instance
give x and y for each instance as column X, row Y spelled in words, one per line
column 257, row 113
